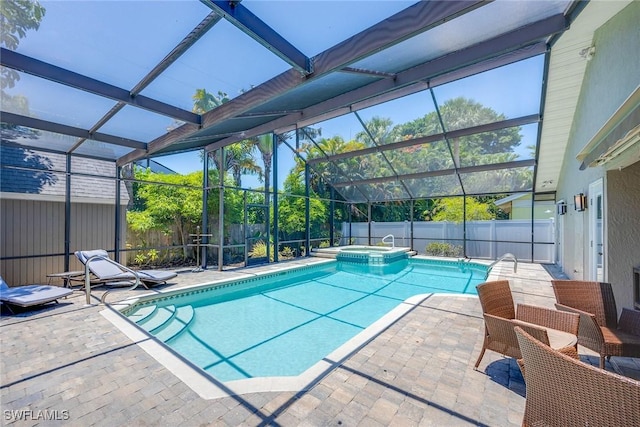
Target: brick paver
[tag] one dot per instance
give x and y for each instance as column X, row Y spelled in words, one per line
column 68, row 365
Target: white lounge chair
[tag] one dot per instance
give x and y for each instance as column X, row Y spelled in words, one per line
column 109, row 272
column 30, row 295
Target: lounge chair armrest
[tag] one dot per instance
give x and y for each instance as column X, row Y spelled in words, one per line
column 630, row 321
column 549, row 318
column 502, row 330
column 589, row 332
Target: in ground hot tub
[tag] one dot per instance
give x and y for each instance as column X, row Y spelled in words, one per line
column 365, row 254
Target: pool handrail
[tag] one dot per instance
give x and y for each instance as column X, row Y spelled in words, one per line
column 87, row 277
column 508, row 255
column 393, row 240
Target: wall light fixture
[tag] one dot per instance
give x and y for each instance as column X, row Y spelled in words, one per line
column 562, row 208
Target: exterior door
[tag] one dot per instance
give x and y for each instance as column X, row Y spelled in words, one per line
column 596, row 230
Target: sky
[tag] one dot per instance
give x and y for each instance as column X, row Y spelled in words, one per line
column 116, row 41
column 517, row 94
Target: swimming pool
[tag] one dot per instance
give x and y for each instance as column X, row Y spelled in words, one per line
column 281, row 324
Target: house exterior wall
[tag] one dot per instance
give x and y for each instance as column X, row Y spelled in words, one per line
column 623, row 223
column 611, row 76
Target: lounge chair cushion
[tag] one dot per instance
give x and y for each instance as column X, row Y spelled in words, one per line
column 26, row 296
column 101, row 268
column 156, row 275
column 105, row 270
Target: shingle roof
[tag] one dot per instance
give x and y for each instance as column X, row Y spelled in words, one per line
column 27, row 171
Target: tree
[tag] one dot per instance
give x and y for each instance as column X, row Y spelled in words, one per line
column 424, row 209
column 171, row 203
column 238, row 158
column 452, row 208
column 324, row 172
column 291, row 207
column 16, row 18
column 462, row 113
column 204, row 101
column 166, row 202
column 379, row 128
column 264, row 144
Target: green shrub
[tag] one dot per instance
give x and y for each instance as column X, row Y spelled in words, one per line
column 259, row 250
column 140, row 258
column 153, row 255
column 443, row 249
column 287, row 253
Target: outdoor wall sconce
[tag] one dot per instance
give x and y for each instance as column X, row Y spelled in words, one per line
column 580, row 201
column 562, row 208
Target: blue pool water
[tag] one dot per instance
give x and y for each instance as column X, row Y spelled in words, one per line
column 283, row 323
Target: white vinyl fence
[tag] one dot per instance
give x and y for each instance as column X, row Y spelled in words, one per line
column 484, row 239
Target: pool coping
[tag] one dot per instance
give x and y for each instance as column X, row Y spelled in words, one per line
column 207, row 387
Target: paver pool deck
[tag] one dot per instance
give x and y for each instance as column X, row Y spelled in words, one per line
column 68, row 365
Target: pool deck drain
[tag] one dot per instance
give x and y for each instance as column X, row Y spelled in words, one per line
column 71, row 364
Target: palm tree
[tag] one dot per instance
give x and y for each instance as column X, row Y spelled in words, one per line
column 264, row 144
column 204, row 101
column 239, row 160
column 238, row 157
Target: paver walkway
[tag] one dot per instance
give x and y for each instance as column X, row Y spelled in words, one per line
column 68, row 365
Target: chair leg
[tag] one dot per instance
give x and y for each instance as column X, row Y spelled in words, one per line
column 484, row 348
column 602, row 362
column 479, row 357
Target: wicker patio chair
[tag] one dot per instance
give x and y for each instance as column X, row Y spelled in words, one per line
column 600, row 330
column 500, row 317
column 562, row 391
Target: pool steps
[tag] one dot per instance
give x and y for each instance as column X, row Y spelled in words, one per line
column 141, row 314
column 164, row 323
